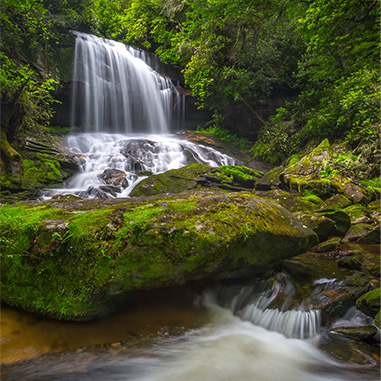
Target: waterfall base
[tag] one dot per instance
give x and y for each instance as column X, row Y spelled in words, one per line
column 113, row 164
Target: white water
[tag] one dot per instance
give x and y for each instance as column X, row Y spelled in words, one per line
column 131, row 154
column 296, row 322
column 115, row 90
column 231, row 349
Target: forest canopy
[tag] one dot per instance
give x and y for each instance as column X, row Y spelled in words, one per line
column 230, row 52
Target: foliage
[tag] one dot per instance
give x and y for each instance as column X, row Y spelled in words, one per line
column 226, row 136
column 229, row 50
column 342, row 38
column 31, row 98
column 31, row 30
column 339, row 76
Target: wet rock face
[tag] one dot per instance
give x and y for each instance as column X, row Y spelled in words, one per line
column 139, row 151
column 114, row 177
column 361, row 333
column 113, row 247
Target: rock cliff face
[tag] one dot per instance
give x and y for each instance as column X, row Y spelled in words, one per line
column 72, row 259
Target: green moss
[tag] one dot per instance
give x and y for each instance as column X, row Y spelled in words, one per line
column 369, row 303
column 355, row 211
column 292, row 160
column 69, row 264
column 238, row 174
column 197, row 175
column 377, row 319
column 40, row 172
column 312, row 198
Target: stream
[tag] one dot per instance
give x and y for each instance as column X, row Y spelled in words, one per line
column 257, row 330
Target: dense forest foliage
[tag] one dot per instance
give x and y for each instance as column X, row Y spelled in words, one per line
column 231, row 52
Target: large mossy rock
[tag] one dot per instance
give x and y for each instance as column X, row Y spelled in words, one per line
column 42, row 162
column 73, row 259
column 369, row 303
column 227, row 177
column 313, row 174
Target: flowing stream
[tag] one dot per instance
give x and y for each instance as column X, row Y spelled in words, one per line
column 189, row 335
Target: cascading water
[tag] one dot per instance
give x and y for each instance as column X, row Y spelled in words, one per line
column 115, row 90
column 300, row 322
column 127, row 110
column 227, row 347
column 129, row 159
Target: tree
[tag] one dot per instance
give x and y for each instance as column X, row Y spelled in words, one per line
column 230, row 51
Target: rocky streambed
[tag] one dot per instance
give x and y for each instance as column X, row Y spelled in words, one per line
column 80, row 259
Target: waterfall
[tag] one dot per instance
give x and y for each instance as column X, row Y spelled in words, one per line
column 115, row 90
column 271, row 309
column 127, row 110
column 294, row 323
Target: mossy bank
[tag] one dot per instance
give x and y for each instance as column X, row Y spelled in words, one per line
column 72, row 259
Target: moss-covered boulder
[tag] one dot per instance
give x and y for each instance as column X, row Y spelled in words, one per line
column 270, row 180
column 42, row 162
column 361, row 333
column 337, row 201
column 74, row 259
column 371, row 237
column 369, row 303
column 313, row 174
column 357, row 231
column 330, row 245
column 352, row 262
column 342, row 220
column 198, row 175
column 323, row 226
column 290, row 201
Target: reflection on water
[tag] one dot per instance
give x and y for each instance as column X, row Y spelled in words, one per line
column 25, row 336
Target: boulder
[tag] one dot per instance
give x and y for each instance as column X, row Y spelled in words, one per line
column 330, row 245
column 357, row 231
column 355, row 211
column 337, row 201
column 354, row 192
column 361, row 333
column 110, row 249
column 352, row 262
column 313, row 174
column 342, row 220
column 234, row 178
column 114, row 177
column 290, row 201
column 323, row 226
column 270, row 180
column 369, row 303
column 371, row 237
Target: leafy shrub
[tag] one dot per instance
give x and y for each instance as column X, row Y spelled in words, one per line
column 226, row 136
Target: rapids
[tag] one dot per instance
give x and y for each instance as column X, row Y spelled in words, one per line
column 135, row 155
column 221, row 346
